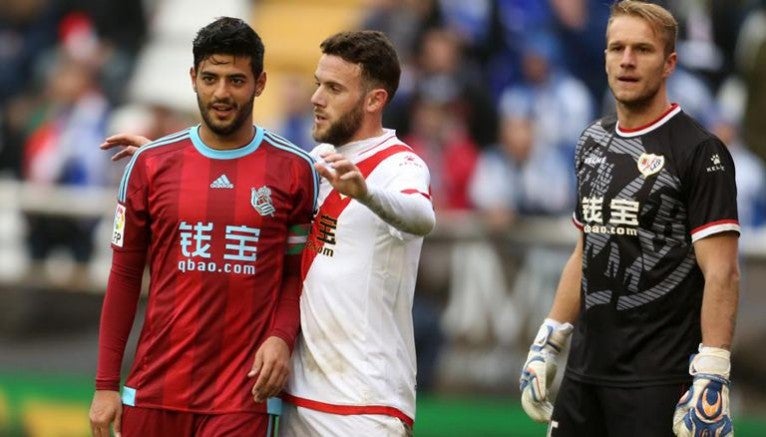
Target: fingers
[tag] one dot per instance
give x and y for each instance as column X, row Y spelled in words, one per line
column 124, row 153
column 118, row 423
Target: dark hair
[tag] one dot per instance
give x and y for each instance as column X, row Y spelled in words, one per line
column 371, row 50
column 229, row 36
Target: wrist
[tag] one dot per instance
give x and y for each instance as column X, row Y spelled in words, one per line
column 711, row 360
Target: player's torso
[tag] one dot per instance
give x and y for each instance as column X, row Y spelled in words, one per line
column 356, row 341
column 641, row 286
column 218, row 238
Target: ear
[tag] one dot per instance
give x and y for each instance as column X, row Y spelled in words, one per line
column 670, row 65
column 376, row 100
column 260, row 83
column 193, row 76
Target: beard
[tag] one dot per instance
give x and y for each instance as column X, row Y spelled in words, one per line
column 243, row 115
column 341, row 131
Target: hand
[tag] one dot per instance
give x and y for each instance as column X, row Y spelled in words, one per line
column 704, row 409
column 129, row 144
column 105, row 409
column 343, row 175
column 540, row 369
column 271, row 367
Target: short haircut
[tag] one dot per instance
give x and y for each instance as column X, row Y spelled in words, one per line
column 229, row 36
column 659, row 19
column 372, row 51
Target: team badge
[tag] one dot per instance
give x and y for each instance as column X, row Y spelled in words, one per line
column 118, row 234
column 260, row 198
column 649, row 163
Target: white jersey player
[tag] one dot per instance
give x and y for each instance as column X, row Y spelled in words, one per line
column 356, row 353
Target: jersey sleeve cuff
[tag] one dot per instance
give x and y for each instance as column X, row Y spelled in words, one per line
column 713, row 228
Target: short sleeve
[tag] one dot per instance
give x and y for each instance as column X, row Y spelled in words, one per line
column 711, row 191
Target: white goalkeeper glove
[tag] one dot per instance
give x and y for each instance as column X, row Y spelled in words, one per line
column 540, row 369
column 704, row 409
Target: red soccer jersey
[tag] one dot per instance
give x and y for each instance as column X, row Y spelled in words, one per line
column 221, row 232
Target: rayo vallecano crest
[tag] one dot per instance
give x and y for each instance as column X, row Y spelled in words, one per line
column 260, row 198
column 649, row 163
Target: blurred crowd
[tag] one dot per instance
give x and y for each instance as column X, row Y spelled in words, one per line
column 494, row 95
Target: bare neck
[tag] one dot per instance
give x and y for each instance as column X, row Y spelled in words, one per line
column 239, row 138
column 632, row 116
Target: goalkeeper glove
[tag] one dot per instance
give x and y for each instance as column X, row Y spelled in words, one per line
column 704, row 409
column 540, row 369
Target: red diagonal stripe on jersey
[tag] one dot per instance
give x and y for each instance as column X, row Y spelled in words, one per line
column 348, row 410
column 333, row 205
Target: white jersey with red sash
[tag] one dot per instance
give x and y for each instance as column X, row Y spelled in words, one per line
column 356, row 352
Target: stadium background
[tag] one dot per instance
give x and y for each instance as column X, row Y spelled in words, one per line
column 487, row 276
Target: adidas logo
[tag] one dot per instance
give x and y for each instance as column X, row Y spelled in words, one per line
column 222, row 182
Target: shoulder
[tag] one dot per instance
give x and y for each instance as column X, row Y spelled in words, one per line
column 171, row 143
column 287, row 149
column 400, row 155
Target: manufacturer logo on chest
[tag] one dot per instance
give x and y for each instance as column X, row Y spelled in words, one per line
column 649, row 164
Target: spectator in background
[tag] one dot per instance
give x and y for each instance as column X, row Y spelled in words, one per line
column 580, row 27
column 440, row 65
column 751, row 64
column 750, row 175
column 439, row 136
column 520, row 175
column 297, row 115
column 560, row 103
column 62, row 149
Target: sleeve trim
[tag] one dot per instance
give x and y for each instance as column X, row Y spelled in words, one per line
column 715, row 227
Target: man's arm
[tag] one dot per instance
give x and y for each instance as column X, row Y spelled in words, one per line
column 539, row 370
column 272, row 359
column 717, row 258
column 408, row 212
column 566, row 303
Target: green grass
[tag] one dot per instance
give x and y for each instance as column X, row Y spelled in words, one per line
column 441, row 416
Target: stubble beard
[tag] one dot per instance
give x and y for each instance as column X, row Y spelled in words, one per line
column 341, row 131
column 244, row 115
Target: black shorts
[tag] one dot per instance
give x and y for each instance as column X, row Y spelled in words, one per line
column 598, row 411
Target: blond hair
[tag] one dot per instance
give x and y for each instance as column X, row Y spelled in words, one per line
column 659, row 19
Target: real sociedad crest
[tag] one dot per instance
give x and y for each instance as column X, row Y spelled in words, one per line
column 260, row 198
column 649, row 163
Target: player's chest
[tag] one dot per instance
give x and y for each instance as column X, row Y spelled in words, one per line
column 220, row 192
column 622, row 181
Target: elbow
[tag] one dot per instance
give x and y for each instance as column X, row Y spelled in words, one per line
column 424, row 226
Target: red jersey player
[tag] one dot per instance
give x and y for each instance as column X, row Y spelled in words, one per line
column 219, row 212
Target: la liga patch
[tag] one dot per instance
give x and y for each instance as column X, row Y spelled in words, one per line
column 118, row 234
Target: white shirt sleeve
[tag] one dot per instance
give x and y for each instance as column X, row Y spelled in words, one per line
column 408, row 212
column 401, row 198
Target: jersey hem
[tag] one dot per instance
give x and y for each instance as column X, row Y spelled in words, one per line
column 198, row 411
column 348, row 410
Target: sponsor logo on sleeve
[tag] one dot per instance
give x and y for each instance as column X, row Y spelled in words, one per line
column 715, row 164
column 118, row 234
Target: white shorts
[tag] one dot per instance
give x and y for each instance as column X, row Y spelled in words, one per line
column 303, row 422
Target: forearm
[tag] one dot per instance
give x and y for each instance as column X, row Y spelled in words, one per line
column 407, row 212
column 719, row 311
column 717, row 258
column 118, row 312
column 286, row 321
column 566, row 303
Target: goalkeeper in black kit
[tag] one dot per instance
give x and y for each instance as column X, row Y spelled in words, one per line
column 649, row 294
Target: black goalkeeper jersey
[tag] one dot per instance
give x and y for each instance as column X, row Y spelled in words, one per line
column 643, row 197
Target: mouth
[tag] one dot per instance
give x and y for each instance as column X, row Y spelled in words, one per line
column 222, row 110
column 627, row 79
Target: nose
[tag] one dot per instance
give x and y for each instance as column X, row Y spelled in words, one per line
column 628, row 58
column 221, row 90
column 316, row 98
